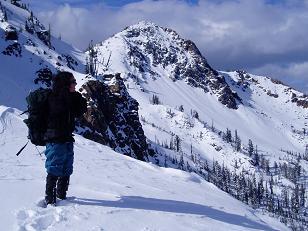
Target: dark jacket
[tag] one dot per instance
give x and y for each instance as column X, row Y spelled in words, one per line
column 62, row 111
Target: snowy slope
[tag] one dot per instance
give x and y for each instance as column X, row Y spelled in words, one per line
column 110, row 191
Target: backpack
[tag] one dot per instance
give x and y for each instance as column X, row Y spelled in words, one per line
column 37, row 115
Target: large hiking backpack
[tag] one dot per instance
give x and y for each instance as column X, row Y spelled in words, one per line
column 37, row 115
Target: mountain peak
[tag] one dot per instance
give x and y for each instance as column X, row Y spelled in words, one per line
column 150, row 30
column 149, row 51
column 144, row 24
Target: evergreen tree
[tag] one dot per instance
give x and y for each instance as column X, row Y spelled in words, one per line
column 235, row 164
column 271, row 204
column 155, row 100
column 87, row 70
column 271, row 184
column 275, row 168
column 302, row 196
column 256, row 159
column 206, row 166
column 237, row 141
column 262, row 161
column 267, row 167
column 295, row 199
column 285, row 198
column 195, row 114
column 235, row 185
column 250, row 147
column 93, row 59
column 260, row 191
column 228, row 136
column 171, row 146
column 188, row 167
column 177, row 143
column 181, row 163
column 5, row 16
column 181, row 108
column 250, row 191
column 298, row 169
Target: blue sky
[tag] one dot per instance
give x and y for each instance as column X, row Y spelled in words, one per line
column 121, row 3
column 266, row 37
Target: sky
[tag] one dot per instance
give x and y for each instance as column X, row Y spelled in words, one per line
column 266, row 37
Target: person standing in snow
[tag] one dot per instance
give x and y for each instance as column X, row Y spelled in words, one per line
column 64, row 105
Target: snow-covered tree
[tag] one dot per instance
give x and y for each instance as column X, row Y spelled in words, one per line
column 250, row 147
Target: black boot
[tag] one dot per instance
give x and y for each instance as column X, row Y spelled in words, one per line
column 62, row 187
column 50, row 193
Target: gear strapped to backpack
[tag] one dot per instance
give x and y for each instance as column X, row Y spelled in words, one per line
column 37, row 115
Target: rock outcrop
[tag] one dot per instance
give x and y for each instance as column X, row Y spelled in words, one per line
column 112, row 118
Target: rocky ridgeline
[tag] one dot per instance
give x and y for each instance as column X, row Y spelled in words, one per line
column 112, row 118
column 150, row 46
column 301, row 101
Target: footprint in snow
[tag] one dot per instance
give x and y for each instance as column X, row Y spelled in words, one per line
column 40, row 218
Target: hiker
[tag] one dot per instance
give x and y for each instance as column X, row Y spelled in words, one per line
column 63, row 106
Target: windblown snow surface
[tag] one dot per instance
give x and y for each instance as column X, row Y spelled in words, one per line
column 110, row 191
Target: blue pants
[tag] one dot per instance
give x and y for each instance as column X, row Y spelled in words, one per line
column 59, row 158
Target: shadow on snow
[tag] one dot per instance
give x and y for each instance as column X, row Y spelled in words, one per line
column 134, row 202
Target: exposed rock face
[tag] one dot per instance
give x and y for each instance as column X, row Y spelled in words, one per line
column 13, row 49
column 11, row 33
column 181, row 56
column 112, row 118
column 34, row 26
column 301, row 101
column 44, row 75
column 69, row 61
